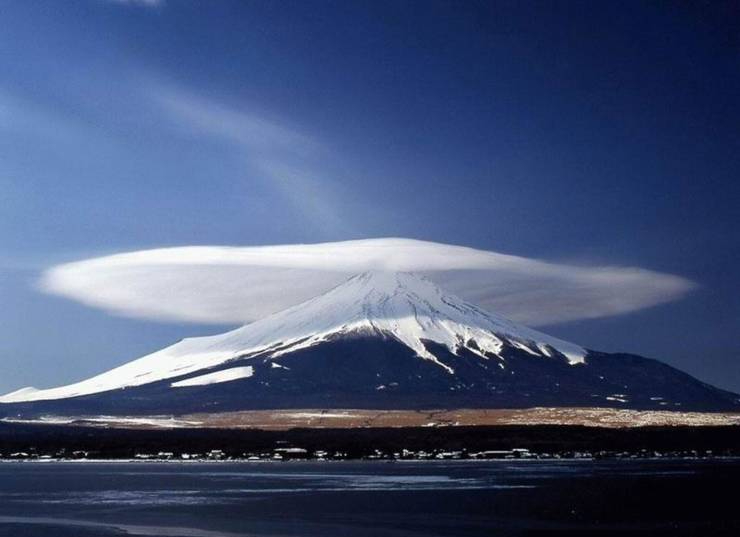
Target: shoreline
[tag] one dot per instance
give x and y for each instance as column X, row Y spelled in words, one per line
column 533, row 460
column 73, row 442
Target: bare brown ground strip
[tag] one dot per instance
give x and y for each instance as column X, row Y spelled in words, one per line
column 351, row 418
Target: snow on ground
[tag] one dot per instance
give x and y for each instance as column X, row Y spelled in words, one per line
column 325, row 415
column 617, row 417
column 224, row 375
column 156, row 422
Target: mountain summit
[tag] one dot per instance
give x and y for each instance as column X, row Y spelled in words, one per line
column 379, row 340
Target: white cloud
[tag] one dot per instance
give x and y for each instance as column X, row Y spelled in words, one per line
column 219, row 284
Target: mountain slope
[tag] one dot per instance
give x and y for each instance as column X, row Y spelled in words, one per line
column 406, row 307
column 380, row 340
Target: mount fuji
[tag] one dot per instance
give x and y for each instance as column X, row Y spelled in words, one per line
column 380, row 340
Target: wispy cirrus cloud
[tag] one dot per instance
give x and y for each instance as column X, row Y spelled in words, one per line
column 292, row 162
column 242, row 128
column 217, row 284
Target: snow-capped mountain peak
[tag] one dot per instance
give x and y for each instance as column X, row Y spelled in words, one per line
column 403, row 306
column 413, row 309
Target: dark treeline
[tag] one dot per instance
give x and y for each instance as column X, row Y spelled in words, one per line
column 361, row 442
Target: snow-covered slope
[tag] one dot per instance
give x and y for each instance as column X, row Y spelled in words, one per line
column 404, row 306
column 224, row 375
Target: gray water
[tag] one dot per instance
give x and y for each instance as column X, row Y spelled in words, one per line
column 357, row 499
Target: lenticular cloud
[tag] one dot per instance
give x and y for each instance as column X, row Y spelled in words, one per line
column 219, row 284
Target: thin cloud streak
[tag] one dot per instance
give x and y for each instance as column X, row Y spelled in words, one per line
column 218, row 284
column 248, row 130
column 288, row 160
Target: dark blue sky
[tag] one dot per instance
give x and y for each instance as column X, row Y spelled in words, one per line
column 585, row 132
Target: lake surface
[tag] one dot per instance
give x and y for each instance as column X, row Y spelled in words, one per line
column 357, row 499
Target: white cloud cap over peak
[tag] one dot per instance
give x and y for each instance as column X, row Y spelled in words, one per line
column 223, row 284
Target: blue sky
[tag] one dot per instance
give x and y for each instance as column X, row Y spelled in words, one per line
column 578, row 133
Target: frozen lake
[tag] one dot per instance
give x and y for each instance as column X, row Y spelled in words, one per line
column 356, row 499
